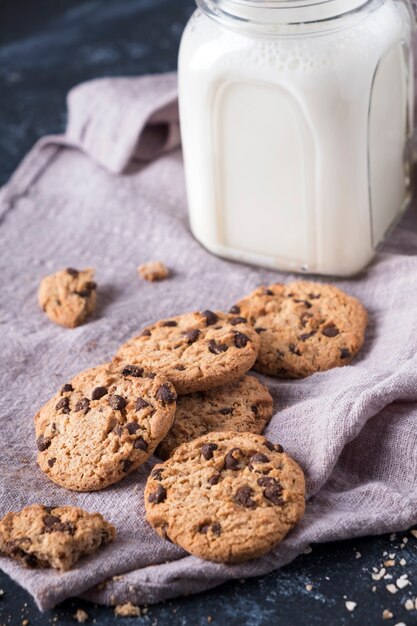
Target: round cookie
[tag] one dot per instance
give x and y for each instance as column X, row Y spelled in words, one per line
column 57, row 537
column 226, row 496
column 244, row 406
column 195, row 351
column 304, row 327
column 102, row 425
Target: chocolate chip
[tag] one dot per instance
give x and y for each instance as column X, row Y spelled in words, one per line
column 132, row 370
column 98, row 393
column 294, row 350
column 217, row 348
column 192, row 335
column 274, row 447
column 145, row 333
column 304, row 317
column 241, row 340
column 165, row 394
column 66, row 388
column 117, row 402
column 118, row 430
column 216, row 529
column 63, row 404
column 180, row 368
column 207, row 450
column 62, row 527
column 211, row 318
column 141, row 404
column 243, row 496
column 344, row 353
column 51, row 462
column 268, row 292
column 158, row 496
column 169, row 323
column 306, row 303
column 91, row 285
column 140, row 444
column 43, row 443
column 204, row 529
column 330, row 330
column 132, row 427
column 82, row 405
column 72, row 272
column 230, row 460
column 273, row 489
column 235, row 309
column 228, row 410
column 150, row 375
column 238, row 320
column 156, row 474
column 213, row 480
column 314, row 296
column 260, row 330
column 50, row 520
column 259, row 458
column 254, row 409
column 306, row 336
column 84, row 293
column 126, row 465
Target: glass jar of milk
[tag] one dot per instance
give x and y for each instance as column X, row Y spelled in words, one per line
column 296, row 118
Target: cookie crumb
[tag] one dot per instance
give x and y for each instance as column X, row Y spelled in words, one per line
column 410, row 604
column 127, row 610
column 389, row 563
column 414, row 532
column 358, row 555
column 351, row 606
column 81, row 616
column 308, row 550
column 209, row 618
column 386, row 614
column 392, row 588
column 153, row 270
column 309, row 587
column 402, row 581
column 25, row 622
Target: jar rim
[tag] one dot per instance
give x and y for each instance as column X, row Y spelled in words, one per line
column 264, row 13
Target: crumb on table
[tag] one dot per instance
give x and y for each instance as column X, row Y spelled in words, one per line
column 127, row 610
column 153, row 270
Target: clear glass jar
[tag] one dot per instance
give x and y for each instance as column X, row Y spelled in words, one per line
column 296, row 117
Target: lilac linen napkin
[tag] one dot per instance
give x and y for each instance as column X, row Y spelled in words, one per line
column 353, row 430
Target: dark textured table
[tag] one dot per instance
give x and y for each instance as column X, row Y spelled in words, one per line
column 46, row 47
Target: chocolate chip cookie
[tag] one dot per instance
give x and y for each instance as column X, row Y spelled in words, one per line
column 244, row 406
column 68, row 297
column 195, row 351
column 57, row 537
column 102, row 425
column 226, row 496
column 304, row 327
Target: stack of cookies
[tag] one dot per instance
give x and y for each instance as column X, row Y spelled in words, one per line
column 181, row 389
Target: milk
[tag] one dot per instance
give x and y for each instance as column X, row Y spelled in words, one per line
column 294, row 144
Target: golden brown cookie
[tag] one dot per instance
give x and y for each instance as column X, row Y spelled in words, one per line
column 102, row 425
column 195, row 351
column 226, row 497
column 68, row 297
column 153, row 270
column 57, row 537
column 304, row 327
column 244, row 406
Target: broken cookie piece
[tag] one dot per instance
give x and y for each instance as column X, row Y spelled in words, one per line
column 68, row 297
column 41, row 536
column 153, row 270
